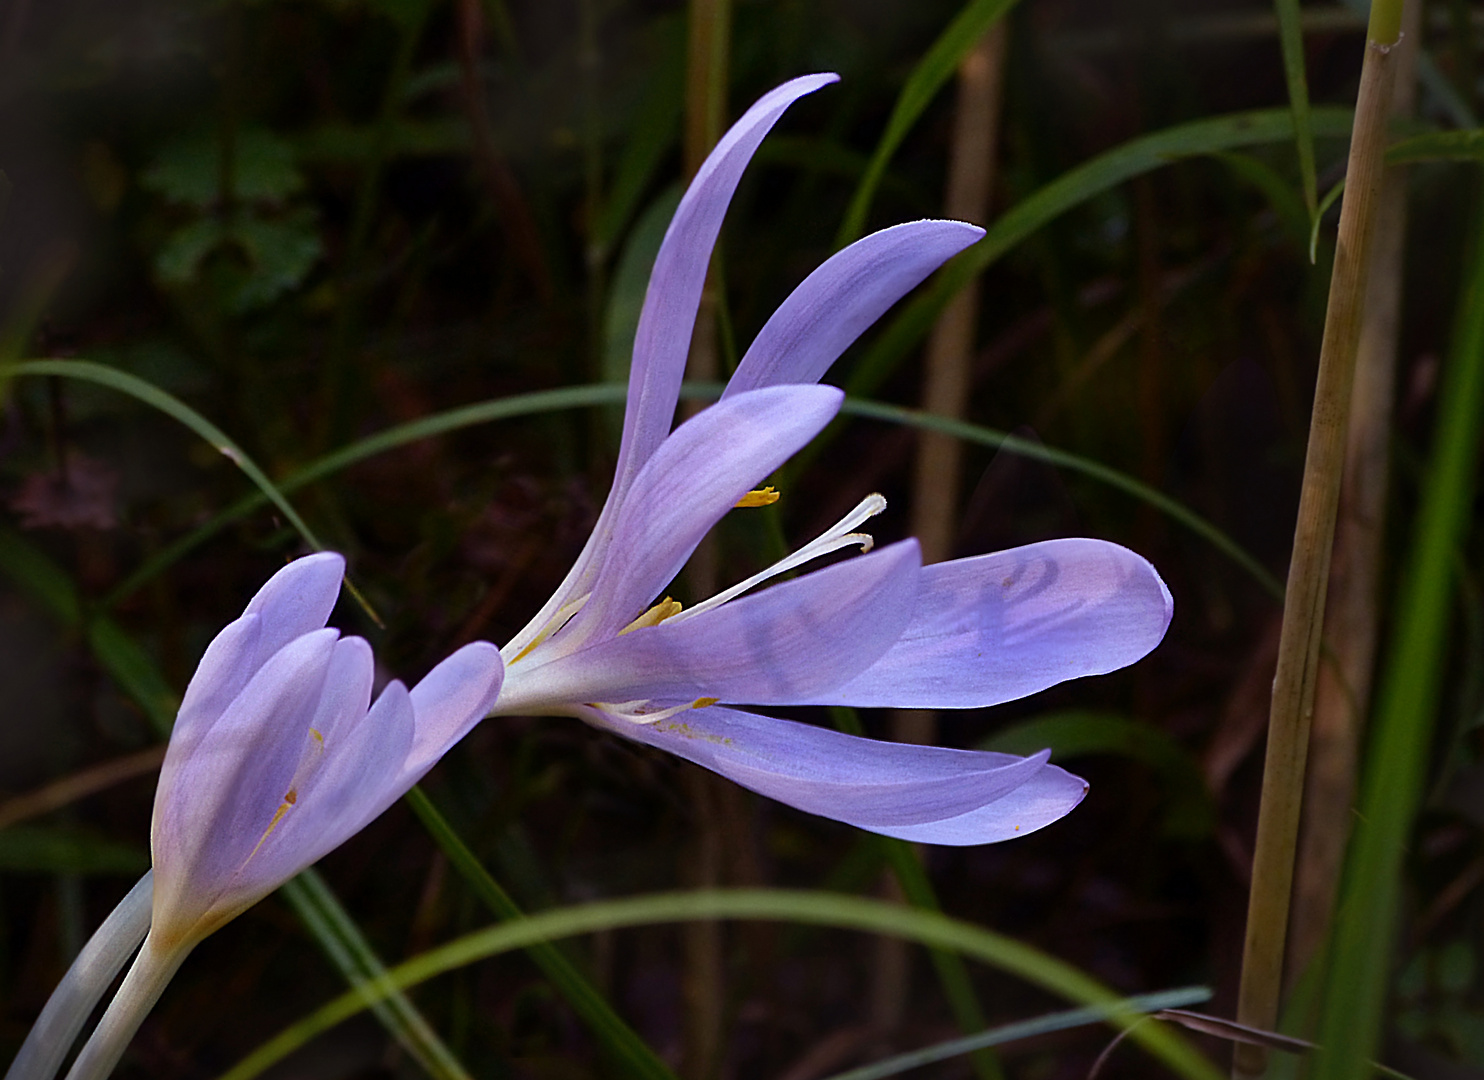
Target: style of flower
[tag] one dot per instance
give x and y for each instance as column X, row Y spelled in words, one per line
column 876, row 630
column 278, row 756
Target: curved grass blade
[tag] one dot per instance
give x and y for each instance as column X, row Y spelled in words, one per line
column 817, row 909
column 1397, row 753
column 1107, row 170
column 425, row 428
column 172, row 406
column 985, row 436
column 622, row 1042
column 320, row 910
column 1023, row 1029
column 1291, row 37
column 934, row 69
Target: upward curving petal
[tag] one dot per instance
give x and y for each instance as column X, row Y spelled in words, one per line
column 1002, row 626
column 845, row 295
column 662, row 340
column 937, row 795
column 699, row 473
column 784, row 645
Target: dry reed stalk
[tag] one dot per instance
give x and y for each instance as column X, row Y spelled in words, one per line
column 1352, row 612
column 1308, row 572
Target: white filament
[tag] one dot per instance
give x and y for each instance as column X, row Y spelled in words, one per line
column 838, row 536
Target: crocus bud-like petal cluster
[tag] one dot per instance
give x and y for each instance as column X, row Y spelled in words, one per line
column 279, row 754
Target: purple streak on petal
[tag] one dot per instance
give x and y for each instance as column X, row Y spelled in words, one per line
column 449, row 701
column 1048, row 796
column 882, row 786
column 357, row 782
column 662, row 340
column 225, row 792
column 784, row 645
column 700, row 472
column 296, row 600
column 845, row 295
column 998, row 627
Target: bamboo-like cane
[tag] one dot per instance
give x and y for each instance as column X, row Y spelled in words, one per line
column 1308, row 572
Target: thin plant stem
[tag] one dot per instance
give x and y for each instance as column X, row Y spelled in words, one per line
column 80, row 990
column 148, row 976
column 1299, row 647
column 1352, row 613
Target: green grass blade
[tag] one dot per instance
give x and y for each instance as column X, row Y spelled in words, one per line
column 1438, row 146
column 427, row 427
column 1095, row 470
column 126, row 663
column 1024, row 1029
column 934, row 69
column 1107, row 170
column 906, row 866
column 1291, row 37
column 320, row 911
column 621, row 1041
column 1397, row 754
column 1189, row 808
column 816, row 909
column 172, row 406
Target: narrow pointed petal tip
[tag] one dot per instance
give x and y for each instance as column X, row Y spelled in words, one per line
column 926, row 794
column 847, row 293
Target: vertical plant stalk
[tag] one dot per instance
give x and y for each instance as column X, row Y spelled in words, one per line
column 1342, row 698
column 1308, row 571
column 1353, row 1020
column 707, row 74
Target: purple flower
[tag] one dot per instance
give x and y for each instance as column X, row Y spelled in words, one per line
column 876, row 630
column 278, row 755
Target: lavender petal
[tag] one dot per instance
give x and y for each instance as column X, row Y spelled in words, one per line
column 937, row 794
column 845, row 295
column 699, row 473
column 784, row 645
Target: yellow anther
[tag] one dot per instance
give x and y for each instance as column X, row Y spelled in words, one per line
column 317, row 737
column 654, row 616
column 761, row 497
column 704, row 702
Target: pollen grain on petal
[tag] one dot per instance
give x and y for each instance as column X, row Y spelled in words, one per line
column 766, row 496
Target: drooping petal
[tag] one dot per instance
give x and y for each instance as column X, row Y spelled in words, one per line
column 357, row 782
column 448, row 701
column 225, row 794
column 998, row 627
column 882, row 786
column 784, row 645
column 844, row 296
column 662, row 339
column 699, row 473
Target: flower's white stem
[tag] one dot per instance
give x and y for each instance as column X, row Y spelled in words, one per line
column 73, row 1000
column 148, row 976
